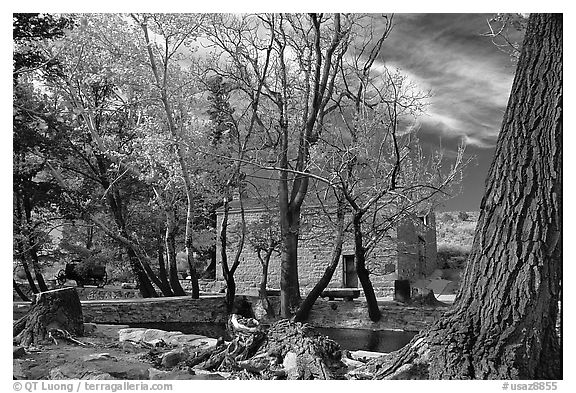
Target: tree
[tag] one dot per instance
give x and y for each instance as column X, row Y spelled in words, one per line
column 174, row 31
column 264, row 239
column 370, row 156
column 504, row 322
column 291, row 62
column 35, row 136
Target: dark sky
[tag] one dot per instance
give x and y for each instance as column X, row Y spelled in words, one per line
column 470, row 80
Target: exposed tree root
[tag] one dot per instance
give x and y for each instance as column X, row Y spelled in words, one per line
column 287, row 350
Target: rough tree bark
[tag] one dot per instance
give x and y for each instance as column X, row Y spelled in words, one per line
column 162, row 274
column 263, row 300
column 227, row 270
column 170, row 241
column 363, row 274
column 51, row 310
column 503, row 325
column 162, row 84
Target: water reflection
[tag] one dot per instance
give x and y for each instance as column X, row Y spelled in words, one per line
column 350, row 339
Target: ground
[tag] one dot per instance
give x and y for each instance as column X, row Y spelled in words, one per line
column 104, row 357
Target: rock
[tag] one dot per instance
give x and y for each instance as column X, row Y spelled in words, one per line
column 98, row 356
column 130, row 347
column 351, row 363
column 290, row 364
column 18, row 370
column 181, row 339
column 131, row 334
column 18, row 352
column 172, row 358
column 68, row 371
column 203, row 374
column 203, row 343
column 365, row 355
column 157, row 342
column 152, row 335
column 156, row 374
column 125, row 369
column 89, row 328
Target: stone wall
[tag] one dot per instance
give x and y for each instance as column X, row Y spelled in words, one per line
column 174, row 309
column 338, row 313
column 314, row 254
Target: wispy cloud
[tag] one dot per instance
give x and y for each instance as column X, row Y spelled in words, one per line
column 469, row 78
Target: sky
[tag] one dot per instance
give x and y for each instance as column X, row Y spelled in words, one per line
column 470, row 80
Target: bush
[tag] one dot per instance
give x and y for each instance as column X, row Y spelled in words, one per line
column 463, row 216
column 451, row 255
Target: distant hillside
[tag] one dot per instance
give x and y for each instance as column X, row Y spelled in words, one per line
column 455, row 234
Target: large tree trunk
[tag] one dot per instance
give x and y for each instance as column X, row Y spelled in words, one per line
column 228, row 271
column 289, row 284
column 264, row 303
column 144, row 285
column 363, row 274
column 37, row 270
column 503, row 325
column 51, row 310
column 32, row 243
column 170, row 240
column 306, row 306
column 163, row 275
column 29, row 277
column 162, row 84
column 190, row 248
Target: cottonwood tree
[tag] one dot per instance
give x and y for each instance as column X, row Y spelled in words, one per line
column 264, row 239
column 172, row 33
column 370, row 156
column 297, row 82
column 503, row 324
column 98, row 92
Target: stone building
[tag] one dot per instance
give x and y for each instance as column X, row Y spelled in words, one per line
column 407, row 252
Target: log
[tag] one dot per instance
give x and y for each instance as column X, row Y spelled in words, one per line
column 51, row 311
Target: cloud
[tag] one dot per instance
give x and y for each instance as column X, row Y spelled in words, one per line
column 469, row 78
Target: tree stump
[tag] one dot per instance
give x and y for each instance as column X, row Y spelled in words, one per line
column 50, row 311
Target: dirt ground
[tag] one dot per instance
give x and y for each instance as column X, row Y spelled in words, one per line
column 103, row 357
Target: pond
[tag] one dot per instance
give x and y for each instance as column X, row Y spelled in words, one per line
column 350, row 339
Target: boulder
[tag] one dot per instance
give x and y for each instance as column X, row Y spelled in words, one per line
column 204, row 342
column 365, row 355
column 98, row 356
column 89, row 328
column 352, row 364
column 130, row 347
column 182, row 339
column 290, row 364
column 172, row 358
column 152, row 336
column 131, row 334
column 18, row 370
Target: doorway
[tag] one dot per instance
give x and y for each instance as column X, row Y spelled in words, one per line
column 349, row 270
